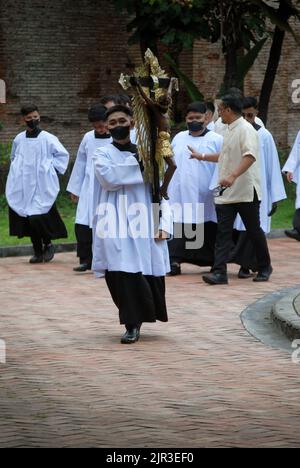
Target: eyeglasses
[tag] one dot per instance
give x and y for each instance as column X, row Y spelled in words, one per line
column 218, row 191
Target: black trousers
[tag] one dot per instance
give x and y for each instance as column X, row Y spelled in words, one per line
column 296, row 220
column 250, row 215
column 84, row 236
column 202, row 257
column 139, row 298
column 39, row 241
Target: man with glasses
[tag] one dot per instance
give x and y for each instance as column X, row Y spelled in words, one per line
column 239, row 173
column 273, row 191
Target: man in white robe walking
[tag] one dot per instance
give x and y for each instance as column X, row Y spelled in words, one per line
column 190, row 190
column 126, row 251
column 32, row 186
column 82, row 185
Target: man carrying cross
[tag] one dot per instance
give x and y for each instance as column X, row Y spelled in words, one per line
column 127, row 248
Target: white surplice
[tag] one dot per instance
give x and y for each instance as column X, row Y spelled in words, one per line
column 190, row 185
column 293, row 165
column 32, row 184
column 273, row 189
column 124, row 238
column 82, row 181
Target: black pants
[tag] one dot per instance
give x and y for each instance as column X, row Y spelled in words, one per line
column 296, row 221
column 202, row 257
column 250, row 215
column 84, row 236
column 139, row 298
column 39, row 242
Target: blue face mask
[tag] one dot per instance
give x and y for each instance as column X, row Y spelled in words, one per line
column 195, row 126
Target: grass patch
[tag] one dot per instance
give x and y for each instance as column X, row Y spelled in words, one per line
column 67, row 210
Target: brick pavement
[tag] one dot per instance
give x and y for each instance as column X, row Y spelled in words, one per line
column 199, row 380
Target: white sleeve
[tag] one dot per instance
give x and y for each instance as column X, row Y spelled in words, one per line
column 60, row 156
column 13, row 150
column 114, row 176
column 275, row 183
column 293, row 162
column 79, row 169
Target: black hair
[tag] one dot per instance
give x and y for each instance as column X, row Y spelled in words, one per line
column 25, row 110
column 123, row 100
column 97, row 113
column 210, row 106
column 126, row 110
column 250, row 101
column 233, row 102
column 197, row 106
column 237, row 92
column 106, row 99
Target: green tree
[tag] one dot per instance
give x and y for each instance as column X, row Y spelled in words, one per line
column 280, row 16
column 178, row 23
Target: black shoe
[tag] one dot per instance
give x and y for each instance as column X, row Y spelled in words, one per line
column 244, row 273
column 175, row 269
column 36, row 259
column 82, row 268
column 215, row 278
column 293, row 234
column 49, row 253
column 131, row 335
column 263, row 276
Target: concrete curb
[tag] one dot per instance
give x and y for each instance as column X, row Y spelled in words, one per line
column 26, row 250
column 285, row 314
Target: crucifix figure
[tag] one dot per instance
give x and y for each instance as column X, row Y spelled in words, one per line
column 152, row 115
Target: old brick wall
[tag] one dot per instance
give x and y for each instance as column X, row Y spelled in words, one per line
column 284, row 115
column 62, row 55
column 65, row 54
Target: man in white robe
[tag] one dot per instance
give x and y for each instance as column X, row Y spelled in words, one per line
column 292, row 170
column 134, row 262
column 190, row 189
column 32, row 186
column 83, row 186
column 210, row 116
column 273, row 191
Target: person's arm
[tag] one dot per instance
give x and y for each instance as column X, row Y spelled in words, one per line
column 60, row 156
column 293, row 161
column 78, row 173
column 173, row 83
column 243, row 167
column 168, row 177
column 145, row 97
column 203, row 156
column 13, row 150
column 113, row 176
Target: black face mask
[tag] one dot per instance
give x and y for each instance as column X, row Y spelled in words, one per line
column 195, row 126
column 120, row 133
column 33, row 124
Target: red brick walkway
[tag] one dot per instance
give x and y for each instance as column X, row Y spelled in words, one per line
column 199, row 380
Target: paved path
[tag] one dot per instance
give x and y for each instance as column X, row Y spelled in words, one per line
column 199, row 380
